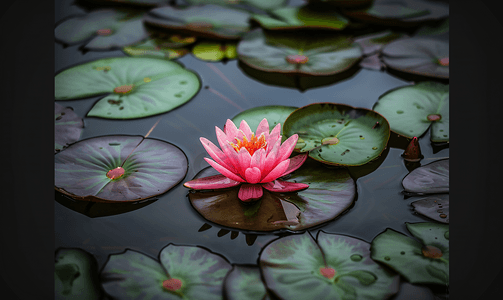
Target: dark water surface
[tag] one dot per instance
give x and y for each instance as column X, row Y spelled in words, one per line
column 171, row 219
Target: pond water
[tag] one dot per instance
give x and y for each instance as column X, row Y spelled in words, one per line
column 171, row 219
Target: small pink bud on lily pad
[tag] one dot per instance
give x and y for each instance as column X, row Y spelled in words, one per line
column 431, row 252
column 172, row 284
column 124, row 89
column 104, row 31
column 434, row 117
column 327, row 272
column 297, row 59
column 115, row 173
column 443, row 61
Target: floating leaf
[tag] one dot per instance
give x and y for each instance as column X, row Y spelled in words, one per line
column 107, row 29
column 411, row 109
column 373, row 43
column 210, row 20
column 294, row 53
column 141, row 3
column 84, row 171
column 338, row 134
column 330, row 193
column 418, row 55
column 244, row 283
column 429, row 179
column 208, row 51
column 437, row 31
column 295, row 17
column 332, row 267
column 76, row 275
column 434, row 207
column 421, row 262
column 68, row 127
column 152, row 86
column 243, row 4
column 275, row 114
column 182, row 272
column 340, row 3
column 157, row 48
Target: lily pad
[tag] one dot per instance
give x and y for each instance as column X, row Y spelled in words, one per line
column 208, row 51
column 296, row 53
column 88, row 170
column 243, row 283
column 402, row 13
column 410, row 110
column 435, row 31
column 295, row 17
column 341, row 3
column 275, row 114
column 68, row 127
column 373, row 43
column 105, row 28
column 332, row 267
column 181, row 272
column 210, row 20
column 435, row 207
column 330, row 193
column 157, row 48
column 338, row 134
column 418, row 55
column 76, row 275
column 429, row 179
column 243, row 4
column 141, row 3
column 425, row 261
column 136, row 86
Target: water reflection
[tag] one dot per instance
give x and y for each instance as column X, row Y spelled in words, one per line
column 250, row 237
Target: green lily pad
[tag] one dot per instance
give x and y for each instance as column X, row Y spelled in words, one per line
column 332, row 267
column 136, row 86
column 87, row 170
column 181, row 272
column 410, row 110
column 437, row 31
column 157, row 48
column 141, row 3
column 208, row 51
column 210, row 20
column 423, row 262
column 243, row 283
column 105, row 28
column 418, row 55
column 428, row 179
column 295, row 53
column 340, row 3
column 76, row 275
column 330, row 193
column 67, row 128
column 243, row 4
column 338, row 134
column 295, row 17
column 275, row 114
column 373, row 43
column 435, row 207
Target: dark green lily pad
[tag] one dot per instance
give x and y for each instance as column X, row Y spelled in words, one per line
column 410, row 110
column 67, row 128
column 154, row 167
column 208, row 51
column 211, row 21
column 106, row 29
column 338, row 134
column 157, row 48
column 340, row 3
column 295, row 53
column 243, row 283
column 332, row 267
column 181, row 272
column 152, row 86
column 330, row 193
column 419, row 56
column 423, row 262
column 402, row 13
column 296, row 17
column 429, row 179
column 437, row 31
column 275, row 114
column 435, row 207
column 141, row 3
column 243, row 4
column 373, row 43
column 76, row 275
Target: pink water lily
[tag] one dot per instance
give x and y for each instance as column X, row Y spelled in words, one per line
column 252, row 160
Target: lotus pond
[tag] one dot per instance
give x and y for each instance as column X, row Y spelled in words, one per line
column 171, row 185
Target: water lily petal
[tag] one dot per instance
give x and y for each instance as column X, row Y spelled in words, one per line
column 277, row 171
column 230, row 130
column 244, row 159
column 263, row 127
column 295, row 163
column 270, row 161
column 258, row 159
column 287, row 147
column 224, row 171
column 211, row 183
column 274, row 136
column 231, row 154
column 245, row 128
column 279, row 186
column 253, row 175
column 250, row 192
column 217, row 154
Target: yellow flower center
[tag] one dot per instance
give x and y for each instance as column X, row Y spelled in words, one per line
column 252, row 145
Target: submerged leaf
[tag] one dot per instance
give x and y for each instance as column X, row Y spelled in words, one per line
column 434, row 207
column 68, row 127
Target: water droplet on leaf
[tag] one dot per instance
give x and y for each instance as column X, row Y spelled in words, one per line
column 356, row 257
